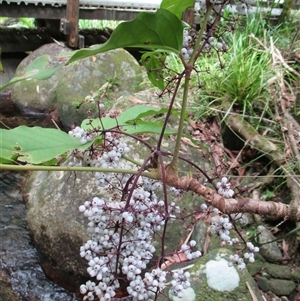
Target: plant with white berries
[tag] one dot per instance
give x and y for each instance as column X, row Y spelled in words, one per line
column 123, row 226
column 122, row 233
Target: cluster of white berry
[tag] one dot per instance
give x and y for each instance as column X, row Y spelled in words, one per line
column 187, row 49
column 199, row 11
column 122, row 232
column 243, row 7
column 187, row 250
column 122, row 229
column 179, row 283
column 80, row 133
column 111, row 158
column 221, row 226
column 236, row 259
column 224, row 188
column 251, row 250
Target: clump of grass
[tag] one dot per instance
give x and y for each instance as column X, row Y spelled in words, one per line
column 98, row 24
column 243, row 82
column 16, row 23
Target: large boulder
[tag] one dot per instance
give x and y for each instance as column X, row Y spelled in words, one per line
column 38, row 96
column 67, row 88
column 59, row 229
column 87, row 76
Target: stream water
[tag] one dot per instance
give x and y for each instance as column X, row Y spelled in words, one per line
column 18, row 257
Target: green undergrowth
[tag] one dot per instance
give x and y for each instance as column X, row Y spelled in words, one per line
column 246, row 77
column 248, row 84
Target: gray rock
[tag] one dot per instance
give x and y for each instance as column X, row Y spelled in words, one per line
column 257, row 266
column 296, row 274
column 67, row 88
column 38, row 96
column 58, row 228
column 88, row 75
column 199, row 234
column 269, row 251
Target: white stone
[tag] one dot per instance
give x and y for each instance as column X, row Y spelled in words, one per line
column 188, row 295
column 220, row 276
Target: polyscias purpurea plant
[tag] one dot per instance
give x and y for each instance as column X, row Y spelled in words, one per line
column 122, row 229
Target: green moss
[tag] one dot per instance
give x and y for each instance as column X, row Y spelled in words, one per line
column 296, row 274
column 278, row 271
column 205, row 292
column 257, row 266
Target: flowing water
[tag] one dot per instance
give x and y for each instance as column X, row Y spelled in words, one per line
column 18, row 257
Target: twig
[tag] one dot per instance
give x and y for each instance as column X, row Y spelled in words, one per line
column 254, row 298
column 275, row 52
column 56, row 125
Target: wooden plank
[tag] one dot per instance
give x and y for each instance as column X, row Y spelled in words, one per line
column 188, row 16
column 73, row 19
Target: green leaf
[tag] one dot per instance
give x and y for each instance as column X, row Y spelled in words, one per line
column 159, row 30
column 1, row 67
column 36, row 70
column 128, row 117
column 147, row 127
column 154, row 64
column 177, row 7
column 35, row 145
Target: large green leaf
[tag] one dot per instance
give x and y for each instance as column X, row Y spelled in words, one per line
column 36, row 70
column 146, row 127
column 129, row 120
column 177, row 7
column 159, row 30
column 35, row 144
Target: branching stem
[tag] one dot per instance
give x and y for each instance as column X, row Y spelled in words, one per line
column 188, row 70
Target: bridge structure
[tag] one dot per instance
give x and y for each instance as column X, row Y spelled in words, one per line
column 68, row 12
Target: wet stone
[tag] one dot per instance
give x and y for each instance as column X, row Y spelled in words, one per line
column 21, row 277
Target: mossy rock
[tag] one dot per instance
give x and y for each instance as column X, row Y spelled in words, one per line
column 38, row 96
column 227, row 288
column 87, row 76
